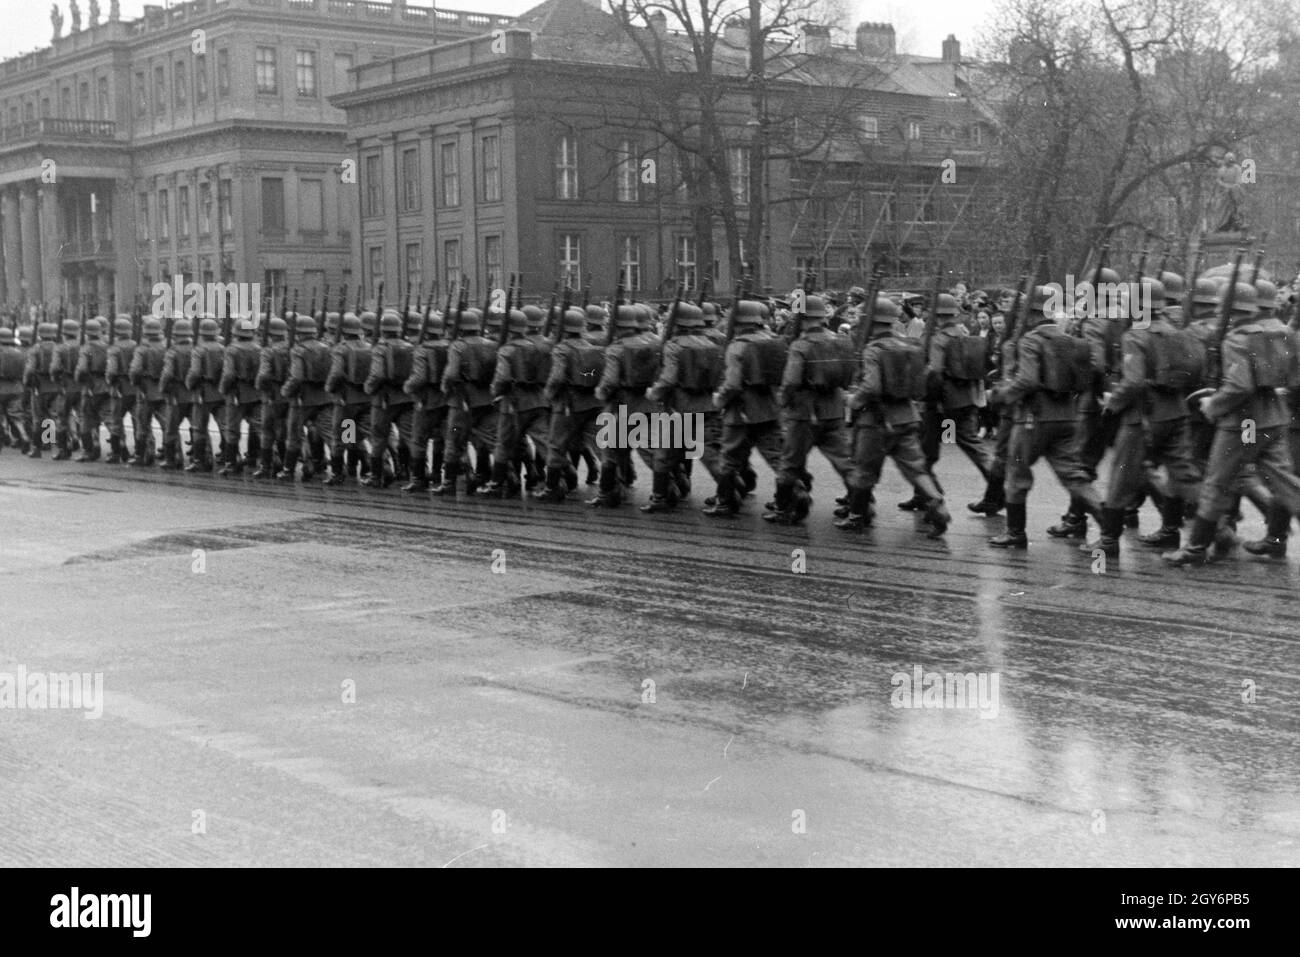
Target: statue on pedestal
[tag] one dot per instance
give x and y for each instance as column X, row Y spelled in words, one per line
column 76, row 16
column 94, row 13
column 1224, row 212
column 114, row 11
column 56, row 18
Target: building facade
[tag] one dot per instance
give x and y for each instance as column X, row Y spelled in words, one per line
column 198, row 140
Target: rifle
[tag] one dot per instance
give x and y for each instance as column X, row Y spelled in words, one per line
column 510, row 295
column 567, row 302
column 550, row 310
column 618, row 301
column 112, row 324
column 264, row 321
column 1190, row 290
column 586, row 294
column 1011, row 329
column 1102, row 254
column 356, row 306
column 859, row 336
column 505, row 320
column 670, row 324
column 933, row 319
column 704, row 291
column 285, row 315
column 1164, row 259
column 736, row 293
column 311, row 310
column 1259, row 259
column 379, row 309
column 428, row 308
column 343, row 304
column 796, row 319
column 406, row 306
column 83, row 323
column 1214, row 351
column 167, row 333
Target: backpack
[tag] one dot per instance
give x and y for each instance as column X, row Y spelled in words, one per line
column 902, row 370
column 965, row 358
column 1177, row 361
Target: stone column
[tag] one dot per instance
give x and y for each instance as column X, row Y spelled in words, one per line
column 51, row 230
column 104, row 290
column 8, row 245
column 31, row 241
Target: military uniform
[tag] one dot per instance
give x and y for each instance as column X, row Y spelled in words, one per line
column 272, row 374
column 958, row 362
column 238, row 384
column 1052, row 368
column 424, row 385
column 576, row 369
column 13, row 427
column 145, row 376
column 121, row 390
column 38, row 376
column 886, row 423
column 753, row 366
column 523, row 364
column 207, row 363
column 311, row 406
column 63, row 363
column 180, row 399
column 390, row 367
column 631, row 367
column 90, row 375
column 471, row 415
column 819, row 365
column 349, row 368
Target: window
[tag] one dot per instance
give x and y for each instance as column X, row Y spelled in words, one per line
column 414, row 270
column 411, row 179
column 201, row 78
column 450, row 164
column 869, row 127
column 451, row 261
column 738, row 168
column 181, row 83
column 264, row 70
column 374, row 186
column 159, row 90
column 571, row 257
column 631, row 264
column 686, row 261
column 306, row 72
column 183, row 212
column 29, row 109
column 924, row 207
column 141, row 95
column 977, row 134
column 913, row 129
column 83, row 100
column 803, row 266
column 101, row 97
column 342, row 63
column 272, row 204
column 491, row 169
column 492, row 261
column 205, row 209
column 164, row 214
column 890, row 203
column 223, row 72
column 311, row 205
column 142, row 218
column 566, row 168
column 375, row 268
column 273, row 285
column 224, row 207
column 626, row 178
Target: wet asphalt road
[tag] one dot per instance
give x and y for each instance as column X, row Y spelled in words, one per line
column 625, row 689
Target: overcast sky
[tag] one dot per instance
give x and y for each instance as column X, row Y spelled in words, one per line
column 921, row 24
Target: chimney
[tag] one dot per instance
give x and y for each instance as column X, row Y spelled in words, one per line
column 816, row 39
column 876, row 39
column 658, row 22
column 736, row 32
column 951, row 49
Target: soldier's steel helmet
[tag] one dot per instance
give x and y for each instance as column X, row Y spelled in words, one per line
column 25, row 335
column 749, row 313
column 945, row 305
column 535, row 316
column 814, row 308
column 1266, row 294
column 1244, row 300
column 517, row 321
column 1157, row 292
column 575, row 320
column 279, row 329
column 152, row 328
column 182, row 329
column 391, row 323
column 71, row 328
column 123, row 327
column 304, row 328
column 352, row 325
column 208, row 329
column 1174, row 285
column 625, row 317
column 1206, row 292
column 243, row 329
column 689, row 316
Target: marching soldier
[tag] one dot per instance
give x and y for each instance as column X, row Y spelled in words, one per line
column 957, row 363
column 349, row 368
column 180, row 398
column 62, row 365
column 755, row 362
column 1103, row 329
column 631, row 367
column 272, row 374
column 471, row 416
column 1251, row 424
column 424, row 385
column 887, row 424
column 1052, row 368
column 576, row 369
column 38, row 376
column 238, row 384
column 521, row 370
column 12, row 362
column 121, row 390
column 1273, row 544
column 812, row 403
column 691, row 370
column 311, row 407
column 390, row 368
column 145, row 376
column 204, row 382
column 89, row 375
column 1162, row 365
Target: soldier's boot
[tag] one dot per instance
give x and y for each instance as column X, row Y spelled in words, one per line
column 234, row 465
column 680, row 485
column 35, row 452
column 403, row 463
column 1131, row 517
column 610, row 493
column 748, row 481
column 1074, row 524
column 450, row 472
column 170, row 461
column 310, row 464
column 1273, row 544
column 200, row 460
column 1196, row 549
column 857, row 513
column 1014, row 536
column 1111, row 528
column 89, row 452
column 338, row 472
column 379, row 477
column 570, row 476
column 255, row 448
column 994, row 498
column 286, row 474
column 726, row 502
column 628, row 474
column 555, row 489
column 498, row 486
column 782, row 511
column 419, row 476
column 1169, row 534
column 662, row 498
column 266, row 467
column 593, row 469
column 141, row 457
column 916, row 503
column 116, row 453
column 937, row 516
column 1225, row 537
column 539, row 469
